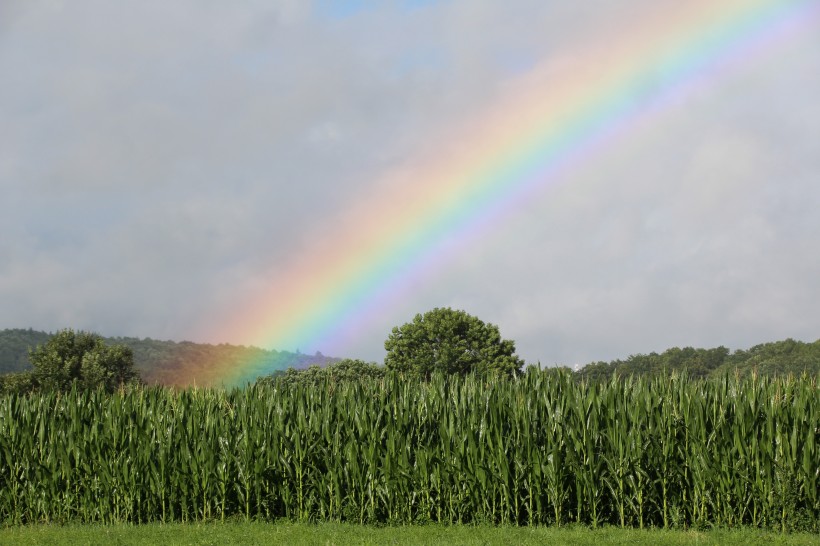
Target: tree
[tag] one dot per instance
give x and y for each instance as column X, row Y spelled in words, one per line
column 452, row 342
column 84, row 359
column 17, row 383
column 345, row 370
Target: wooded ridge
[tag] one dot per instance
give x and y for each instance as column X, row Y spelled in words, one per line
column 158, row 361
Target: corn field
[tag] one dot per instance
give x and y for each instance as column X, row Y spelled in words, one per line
column 541, row 449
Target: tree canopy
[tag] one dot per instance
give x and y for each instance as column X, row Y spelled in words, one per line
column 346, row 370
column 84, row 359
column 450, row 341
column 769, row 359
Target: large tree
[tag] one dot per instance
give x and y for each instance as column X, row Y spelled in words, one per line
column 450, row 341
column 82, row 358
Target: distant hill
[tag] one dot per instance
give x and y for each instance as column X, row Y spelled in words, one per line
column 186, row 363
column 14, row 345
column 771, row 359
column 169, row 362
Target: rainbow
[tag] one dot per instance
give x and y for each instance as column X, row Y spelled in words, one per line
column 544, row 127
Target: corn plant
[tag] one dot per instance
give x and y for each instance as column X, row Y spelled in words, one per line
column 538, row 449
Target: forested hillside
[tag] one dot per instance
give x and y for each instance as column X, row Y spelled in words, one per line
column 770, row 359
column 163, row 361
column 14, row 346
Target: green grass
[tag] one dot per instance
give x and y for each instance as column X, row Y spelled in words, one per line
column 332, row 533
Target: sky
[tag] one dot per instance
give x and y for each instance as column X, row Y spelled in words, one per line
column 163, row 163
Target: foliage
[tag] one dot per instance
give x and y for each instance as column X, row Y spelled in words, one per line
column 769, row 359
column 345, row 370
column 542, row 448
column 14, row 347
column 176, row 363
column 168, row 362
column 81, row 358
column 451, row 342
column 696, row 363
column 179, row 363
column 775, row 359
column 17, row 382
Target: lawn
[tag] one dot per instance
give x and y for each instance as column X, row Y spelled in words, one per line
column 329, row 533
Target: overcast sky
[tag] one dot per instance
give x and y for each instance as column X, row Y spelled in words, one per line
column 158, row 159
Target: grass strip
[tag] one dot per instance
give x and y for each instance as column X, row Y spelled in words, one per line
column 338, row 534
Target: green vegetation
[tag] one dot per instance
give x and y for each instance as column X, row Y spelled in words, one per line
column 775, row 359
column 14, row 347
column 538, row 449
column 81, row 359
column 74, row 359
column 160, row 362
column 344, row 371
column 769, row 359
column 17, row 382
column 449, row 341
column 450, row 431
column 339, row 533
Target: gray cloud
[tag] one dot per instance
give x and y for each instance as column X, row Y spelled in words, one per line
column 158, row 160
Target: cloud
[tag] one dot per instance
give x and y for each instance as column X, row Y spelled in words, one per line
column 160, row 160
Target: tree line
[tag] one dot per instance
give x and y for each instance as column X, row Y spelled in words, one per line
column 453, row 342
column 157, row 361
column 779, row 358
column 442, row 340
